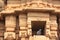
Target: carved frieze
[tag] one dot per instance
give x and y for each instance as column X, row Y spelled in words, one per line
column 32, row 5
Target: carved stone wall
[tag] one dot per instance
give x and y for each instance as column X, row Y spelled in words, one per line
column 24, row 23
column 23, row 26
column 35, row 16
column 53, row 27
column 13, row 1
column 10, row 24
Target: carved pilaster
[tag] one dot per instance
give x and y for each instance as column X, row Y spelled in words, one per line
column 10, row 24
column 10, row 21
column 53, row 27
column 23, row 26
column 47, row 28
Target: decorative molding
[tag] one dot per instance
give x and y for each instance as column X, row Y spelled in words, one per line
column 31, row 5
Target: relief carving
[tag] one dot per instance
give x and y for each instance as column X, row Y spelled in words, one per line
column 9, row 37
column 23, row 34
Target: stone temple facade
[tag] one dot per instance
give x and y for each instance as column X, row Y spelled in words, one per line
column 29, row 20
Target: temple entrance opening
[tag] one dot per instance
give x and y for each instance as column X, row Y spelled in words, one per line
column 38, row 27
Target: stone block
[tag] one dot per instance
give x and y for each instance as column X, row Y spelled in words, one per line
column 37, row 37
column 53, row 28
column 22, row 33
column 47, row 32
column 53, row 17
column 21, row 16
column 32, row 18
column 13, row 2
column 22, row 22
column 10, row 29
column 31, row 38
column 29, row 31
column 10, row 21
column 29, row 26
column 47, row 26
column 38, row 14
column 53, row 33
column 37, row 18
column 8, row 34
column 23, row 28
column 53, row 21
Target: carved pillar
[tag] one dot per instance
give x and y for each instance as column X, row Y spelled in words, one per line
column 53, row 27
column 47, row 29
column 10, row 24
column 23, row 26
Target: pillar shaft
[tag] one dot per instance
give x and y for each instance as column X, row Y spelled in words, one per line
column 10, row 24
column 53, row 27
column 23, row 26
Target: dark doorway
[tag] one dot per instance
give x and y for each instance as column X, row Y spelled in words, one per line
column 38, row 27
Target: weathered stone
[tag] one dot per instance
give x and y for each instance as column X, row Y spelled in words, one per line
column 29, row 26
column 54, row 33
column 33, row 14
column 47, row 32
column 39, row 37
column 30, row 32
column 8, row 34
column 10, row 21
column 22, row 33
column 22, row 20
column 53, row 26
column 23, row 28
column 13, row 2
column 10, row 29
